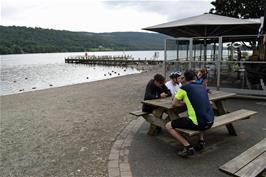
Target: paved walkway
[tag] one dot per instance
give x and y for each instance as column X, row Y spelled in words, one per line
column 137, row 154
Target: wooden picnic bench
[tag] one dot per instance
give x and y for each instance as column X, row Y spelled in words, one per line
column 248, row 164
column 222, row 116
column 225, row 119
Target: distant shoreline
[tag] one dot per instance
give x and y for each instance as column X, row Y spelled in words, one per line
column 19, row 40
column 86, row 51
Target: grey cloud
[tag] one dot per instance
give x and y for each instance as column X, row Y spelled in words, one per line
column 172, row 9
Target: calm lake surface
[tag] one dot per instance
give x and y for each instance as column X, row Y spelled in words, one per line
column 29, row 72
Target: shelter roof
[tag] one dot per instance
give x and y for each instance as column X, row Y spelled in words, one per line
column 207, row 25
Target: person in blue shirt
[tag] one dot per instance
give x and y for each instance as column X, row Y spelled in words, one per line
column 201, row 77
column 200, row 115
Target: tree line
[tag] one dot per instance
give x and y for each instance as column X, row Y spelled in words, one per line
column 17, row 40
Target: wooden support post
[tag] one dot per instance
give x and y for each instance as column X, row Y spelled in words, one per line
column 231, row 129
column 154, row 130
column 157, row 123
column 220, row 111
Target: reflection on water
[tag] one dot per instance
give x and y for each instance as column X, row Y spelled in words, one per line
column 29, row 72
column 22, row 79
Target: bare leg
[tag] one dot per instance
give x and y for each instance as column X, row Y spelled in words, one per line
column 176, row 135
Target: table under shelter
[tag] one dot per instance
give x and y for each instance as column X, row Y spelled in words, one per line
column 230, row 49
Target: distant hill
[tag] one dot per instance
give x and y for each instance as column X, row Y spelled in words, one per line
column 15, row 40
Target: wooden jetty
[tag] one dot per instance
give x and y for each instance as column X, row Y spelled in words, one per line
column 110, row 60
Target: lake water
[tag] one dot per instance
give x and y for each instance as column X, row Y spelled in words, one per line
column 29, row 72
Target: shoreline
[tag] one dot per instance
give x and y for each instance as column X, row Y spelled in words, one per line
column 61, row 131
column 138, row 69
column 52, row 87
column 87, row 51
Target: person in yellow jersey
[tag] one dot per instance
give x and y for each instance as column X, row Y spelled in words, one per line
column 200, row 115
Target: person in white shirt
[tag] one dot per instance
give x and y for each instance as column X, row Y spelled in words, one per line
column 174, row 83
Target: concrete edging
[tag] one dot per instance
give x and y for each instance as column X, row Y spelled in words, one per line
column 118, row 163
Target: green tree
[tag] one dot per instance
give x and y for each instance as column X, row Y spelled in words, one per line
column 239, row 8
column 16, row 49
column 37, row 40
column 5, row 50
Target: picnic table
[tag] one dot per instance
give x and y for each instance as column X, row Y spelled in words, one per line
column 164, row 105
column 249, row 163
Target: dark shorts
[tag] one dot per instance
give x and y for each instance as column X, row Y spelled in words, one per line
column 187, row 123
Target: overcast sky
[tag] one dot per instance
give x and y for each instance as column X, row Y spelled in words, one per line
column 97, row 16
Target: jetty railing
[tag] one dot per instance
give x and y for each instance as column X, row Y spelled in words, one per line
column 108, row 60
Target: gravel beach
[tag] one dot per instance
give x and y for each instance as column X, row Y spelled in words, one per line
column 67, row 131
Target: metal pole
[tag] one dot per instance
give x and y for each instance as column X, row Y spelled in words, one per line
column 165, row 58
column 190, row 52
column 214, row 51
column 211, row 50
column 187, row 52
column 232, row 52
column 195, row 50
column 228, row 50
column 200, row 51
column 205, row 49
column 219, row 62
column 177, row 50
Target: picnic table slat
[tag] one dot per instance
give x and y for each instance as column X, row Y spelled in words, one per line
column 218, row 95
column 166, row 103
column 223, row 119
column 234, row 116
column 163, row 102
column 234, row 165
column 138, row 113
column 253, row 168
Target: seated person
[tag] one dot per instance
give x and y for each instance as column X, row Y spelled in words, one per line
column 174, row 83
column 200, row 114
column 201, row 77
column 155, row 89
